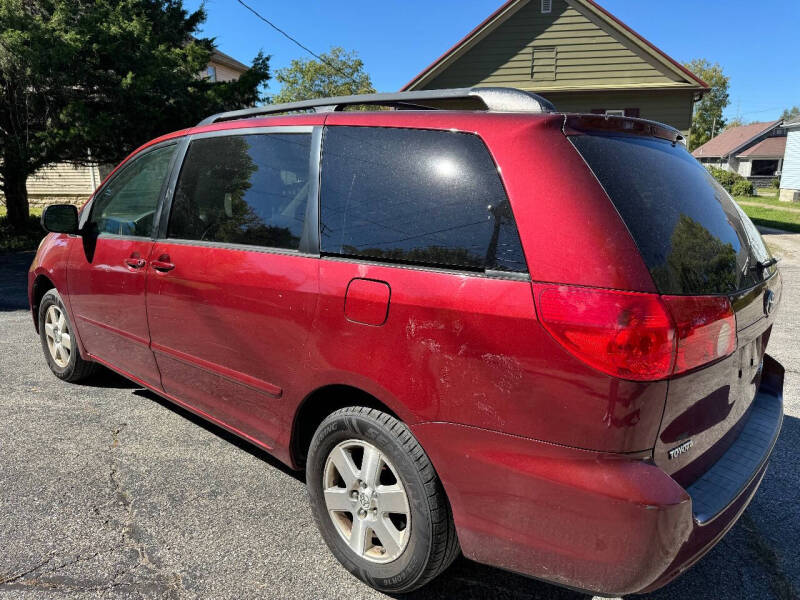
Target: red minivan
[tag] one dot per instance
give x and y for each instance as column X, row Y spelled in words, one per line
column 478, row 324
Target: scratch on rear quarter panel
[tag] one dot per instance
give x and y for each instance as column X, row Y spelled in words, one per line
column 510, row 371
column 431, row 345
column 411, row 328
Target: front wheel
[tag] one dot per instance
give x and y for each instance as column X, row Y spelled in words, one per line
column 58, row 340
column 378, row 501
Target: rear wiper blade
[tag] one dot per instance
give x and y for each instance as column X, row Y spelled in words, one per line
column 764, row 264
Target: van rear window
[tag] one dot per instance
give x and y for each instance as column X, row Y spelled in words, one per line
column 693, row 237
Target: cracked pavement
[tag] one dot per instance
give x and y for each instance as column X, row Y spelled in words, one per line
column 107, row 491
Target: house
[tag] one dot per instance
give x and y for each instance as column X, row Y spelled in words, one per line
column 63, row 182
column 790, row 173
column 575, row 54
column 222, row 67
column 754, row 151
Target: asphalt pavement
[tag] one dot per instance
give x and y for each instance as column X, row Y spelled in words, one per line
column 107, row 491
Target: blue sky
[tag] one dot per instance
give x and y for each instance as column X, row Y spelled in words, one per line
column 755, row 42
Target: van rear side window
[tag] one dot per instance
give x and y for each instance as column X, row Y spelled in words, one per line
column 415, row 196
column 693, row 237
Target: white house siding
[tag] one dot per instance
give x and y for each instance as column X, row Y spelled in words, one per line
column 744, row 168
column 790, row 176
column 224, row 72
column 62, row 182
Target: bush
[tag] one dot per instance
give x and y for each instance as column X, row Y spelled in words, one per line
column 742, row 188
column 776, row 183
column 729, row 179
column 27, row 239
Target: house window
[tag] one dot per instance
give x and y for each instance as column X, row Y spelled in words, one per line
column 761, row 168
column 543, row 64
column 615, row 112
column 547, row 5
column 211, row 71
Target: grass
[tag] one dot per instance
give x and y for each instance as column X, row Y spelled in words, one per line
column 777, row 217
column 768, row 200
column 768, row 211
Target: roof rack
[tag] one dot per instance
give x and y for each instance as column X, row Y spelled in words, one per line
column 493, row 99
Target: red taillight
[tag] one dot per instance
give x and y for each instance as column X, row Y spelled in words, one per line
column 637, row 336
column 706, row 329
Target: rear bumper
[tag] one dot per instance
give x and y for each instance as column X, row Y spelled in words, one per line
column 605, row 523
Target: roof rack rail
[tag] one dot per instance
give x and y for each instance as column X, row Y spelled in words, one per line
column 493, row 99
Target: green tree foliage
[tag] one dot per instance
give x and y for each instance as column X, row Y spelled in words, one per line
column 697, row 261
column 90, row 80
column 341, row 74
column 790, row 114
column 735, row 122
column 707, row 115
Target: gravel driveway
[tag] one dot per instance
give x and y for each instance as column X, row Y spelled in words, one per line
column 107, row 491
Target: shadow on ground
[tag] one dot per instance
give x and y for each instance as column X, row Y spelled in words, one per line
column 14, row 280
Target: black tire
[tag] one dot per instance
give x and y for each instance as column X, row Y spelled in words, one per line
column 76, row 368
column 432, row 543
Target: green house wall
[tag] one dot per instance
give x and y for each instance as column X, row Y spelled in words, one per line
column 570, row 59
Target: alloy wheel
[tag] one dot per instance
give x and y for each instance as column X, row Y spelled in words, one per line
column 366, row 501
column 59, row 338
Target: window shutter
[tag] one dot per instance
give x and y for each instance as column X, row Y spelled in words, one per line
column 631, row 112
column 598, row 111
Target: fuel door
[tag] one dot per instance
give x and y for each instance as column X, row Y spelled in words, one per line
column 367, row 301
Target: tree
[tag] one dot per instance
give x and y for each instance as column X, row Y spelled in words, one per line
column 790, row 113
column 85, row 81
column 340, row 74
column 735, row 122
column 707, row 117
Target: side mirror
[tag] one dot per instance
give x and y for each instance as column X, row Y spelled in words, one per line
column 60, row 218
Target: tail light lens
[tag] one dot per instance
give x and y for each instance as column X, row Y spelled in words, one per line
column 637, row 336
column 706, row 329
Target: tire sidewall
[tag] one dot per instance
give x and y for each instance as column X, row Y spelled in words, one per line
column 404, row 571
column 51, row 298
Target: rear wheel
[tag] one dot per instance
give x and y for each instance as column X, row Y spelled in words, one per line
column 378, row 501
column 58, row 340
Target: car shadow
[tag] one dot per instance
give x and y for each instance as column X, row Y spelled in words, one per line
column 106, row 378
column 466, row 579
column 222, row 434
column 14, row 280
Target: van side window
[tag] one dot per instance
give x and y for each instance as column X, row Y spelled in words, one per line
column 128, row 202
column 415, row 196
column 243, row 189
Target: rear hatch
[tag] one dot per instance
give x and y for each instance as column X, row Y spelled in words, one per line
column 695, row 241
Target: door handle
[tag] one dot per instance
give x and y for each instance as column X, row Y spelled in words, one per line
column 135, row 263
column 163, row 264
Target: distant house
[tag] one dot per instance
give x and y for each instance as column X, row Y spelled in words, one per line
column 63, row 182
column 575, row 54
column 754, row 151
column 222, row 67
column 790, row 173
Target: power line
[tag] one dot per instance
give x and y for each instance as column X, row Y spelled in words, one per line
column 753, row 112
column 289, row 37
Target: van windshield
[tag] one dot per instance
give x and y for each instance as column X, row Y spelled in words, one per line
column 693, row 237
